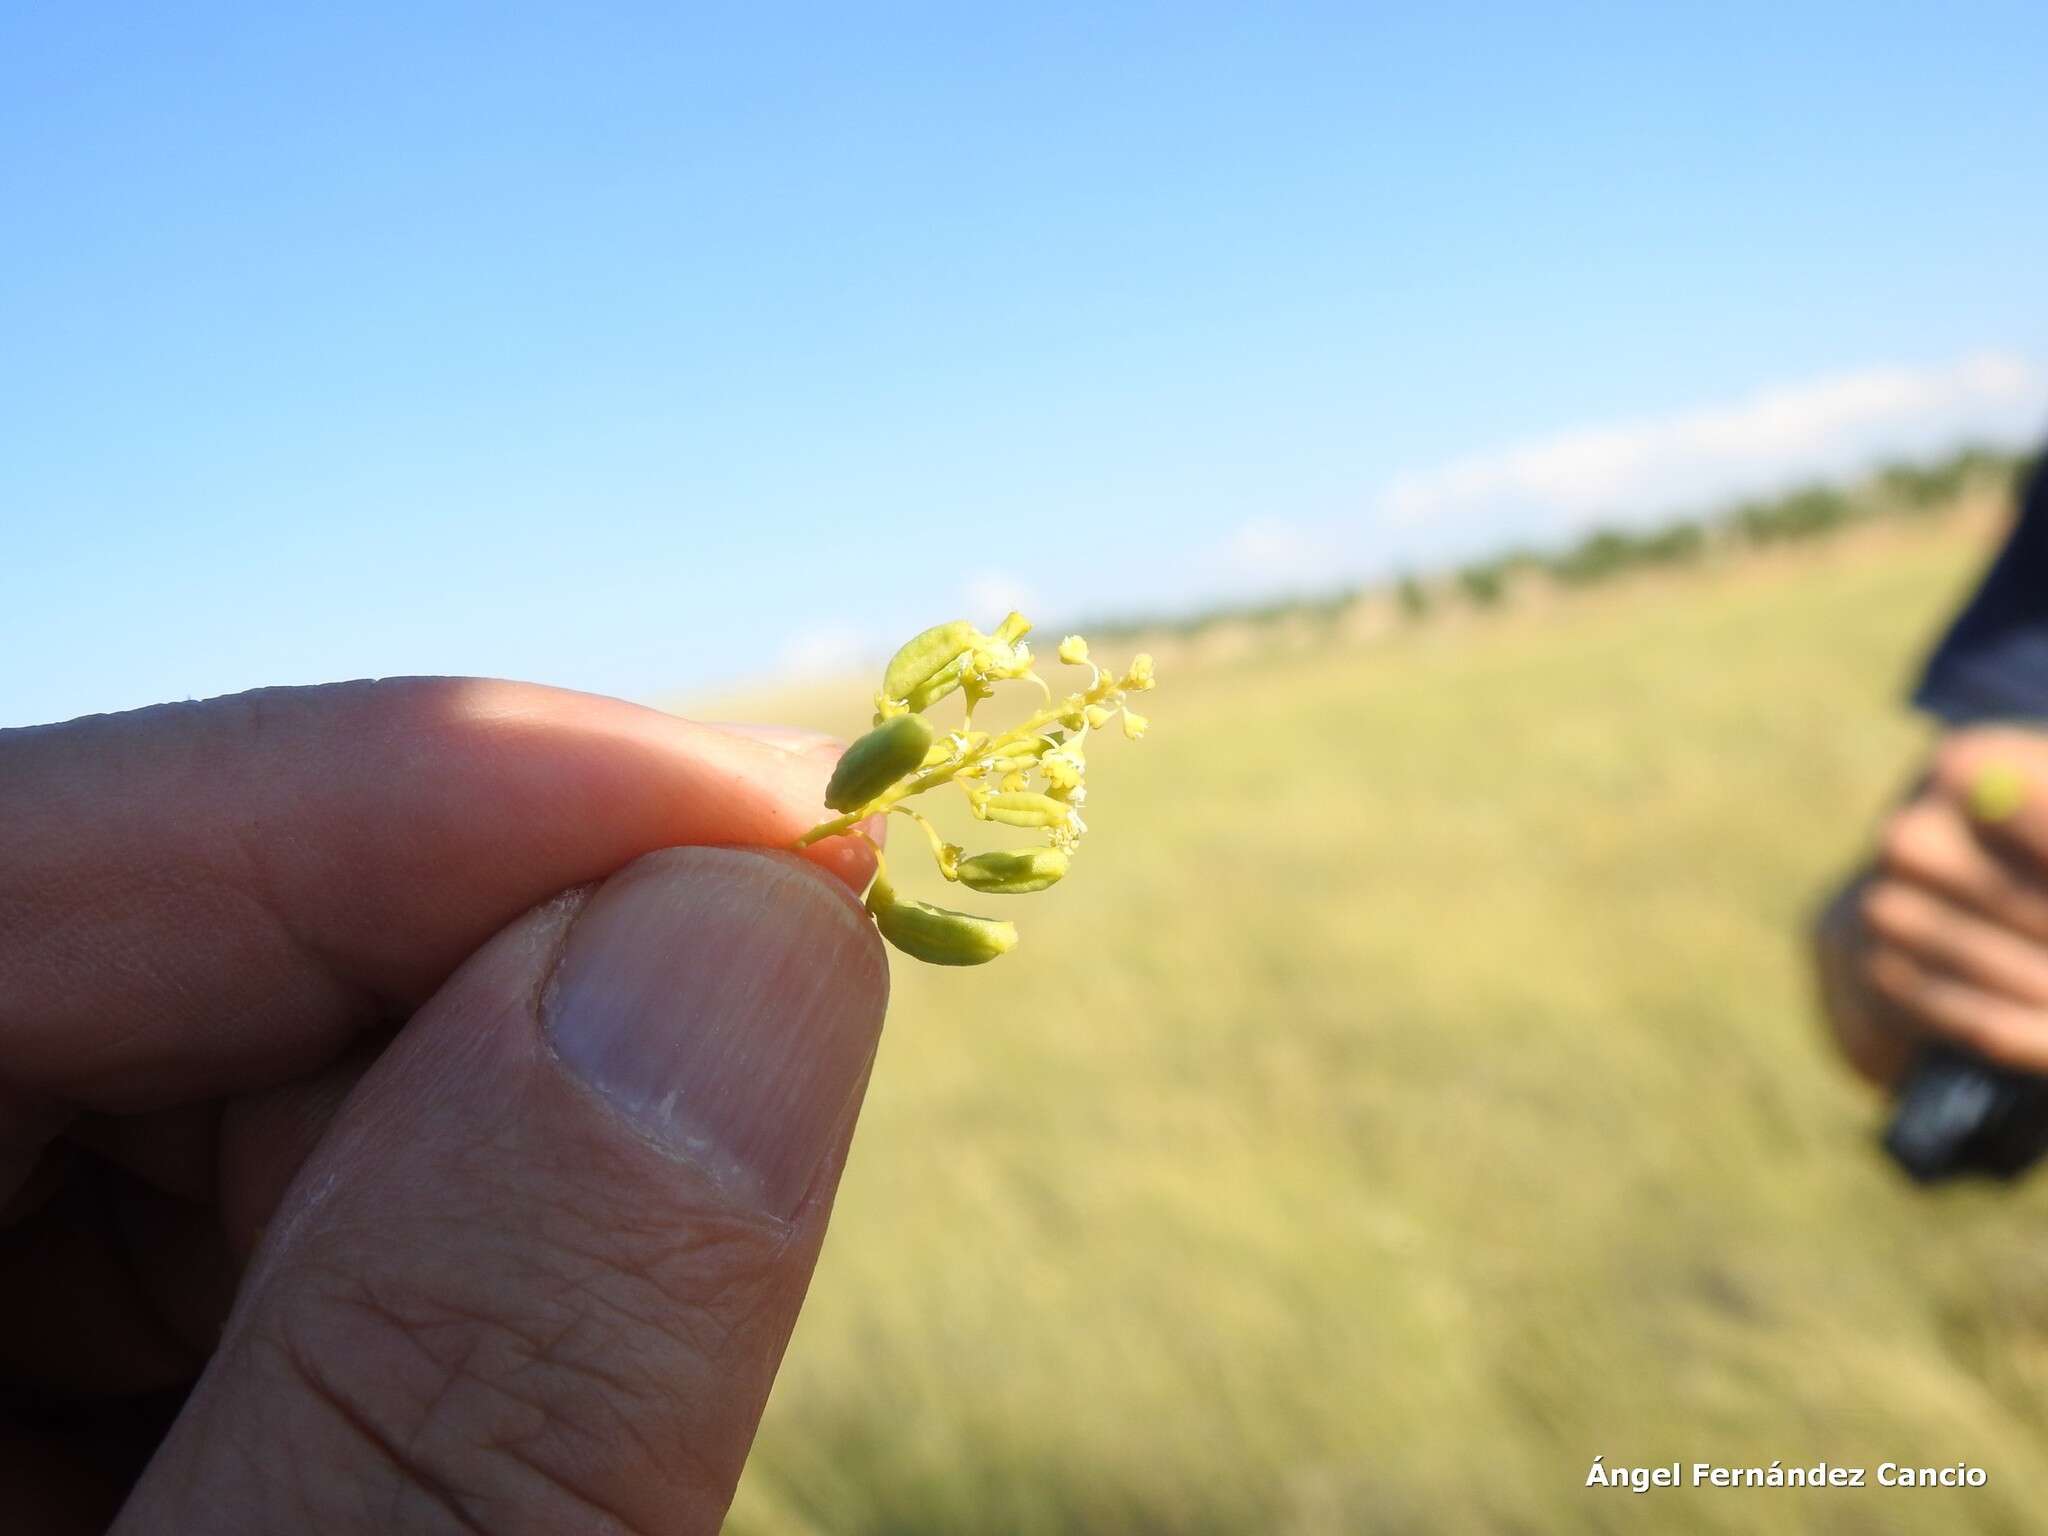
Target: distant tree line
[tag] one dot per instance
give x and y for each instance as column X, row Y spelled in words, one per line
column 1893, row 491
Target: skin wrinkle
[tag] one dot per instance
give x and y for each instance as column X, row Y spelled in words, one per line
column 578, row 1220
column 402, row 1443
column 615, row 1523
column 623, row 1243
column 455, row 1374
column 463, row 1371
column 550, row 1351
column 545, row 1424
column 690, row 1247
column 616, row 1261
column 610, row 1389
column 406, row 1475
column 608, row 1412
column 474, row 1327
column 574, row 1443
column 659, row 1317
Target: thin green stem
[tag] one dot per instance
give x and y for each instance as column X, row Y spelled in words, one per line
column 881, row 864
column 939, row 845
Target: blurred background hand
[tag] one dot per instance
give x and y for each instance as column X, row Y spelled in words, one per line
column 468, row 1203
column 1945, row 934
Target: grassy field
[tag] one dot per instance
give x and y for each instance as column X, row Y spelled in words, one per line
column 1414, row 1093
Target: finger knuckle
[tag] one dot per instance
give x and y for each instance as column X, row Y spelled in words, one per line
column 1891, row 909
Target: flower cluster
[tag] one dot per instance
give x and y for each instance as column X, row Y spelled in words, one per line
column 1030, row 775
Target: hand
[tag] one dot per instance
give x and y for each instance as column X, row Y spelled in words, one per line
column 476, row 1197
column 1947, row 935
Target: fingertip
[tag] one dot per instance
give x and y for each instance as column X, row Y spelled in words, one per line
column 793, row 739
column 847, row 858
column 801, row 762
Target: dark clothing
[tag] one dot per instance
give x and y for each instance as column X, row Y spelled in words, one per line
column 1993, row 662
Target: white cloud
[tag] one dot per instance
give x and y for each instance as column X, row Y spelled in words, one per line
column 826, row 650
column 989, row 595
column 1271, row 553
column 1689, row 459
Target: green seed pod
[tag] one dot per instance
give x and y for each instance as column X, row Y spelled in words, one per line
column 935, row 935
column 1020, row 754
column 892, row 749
column 916, row 668
column 1016, row 873
column 940, row 683
column 1022, row 808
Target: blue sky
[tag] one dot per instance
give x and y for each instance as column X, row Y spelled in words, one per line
column 637, row 347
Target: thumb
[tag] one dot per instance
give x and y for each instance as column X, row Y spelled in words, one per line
column 540, row 1272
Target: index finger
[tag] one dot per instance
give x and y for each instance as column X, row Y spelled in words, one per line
column 202, row 898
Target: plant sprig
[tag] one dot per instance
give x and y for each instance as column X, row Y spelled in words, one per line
column 1031, row 775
